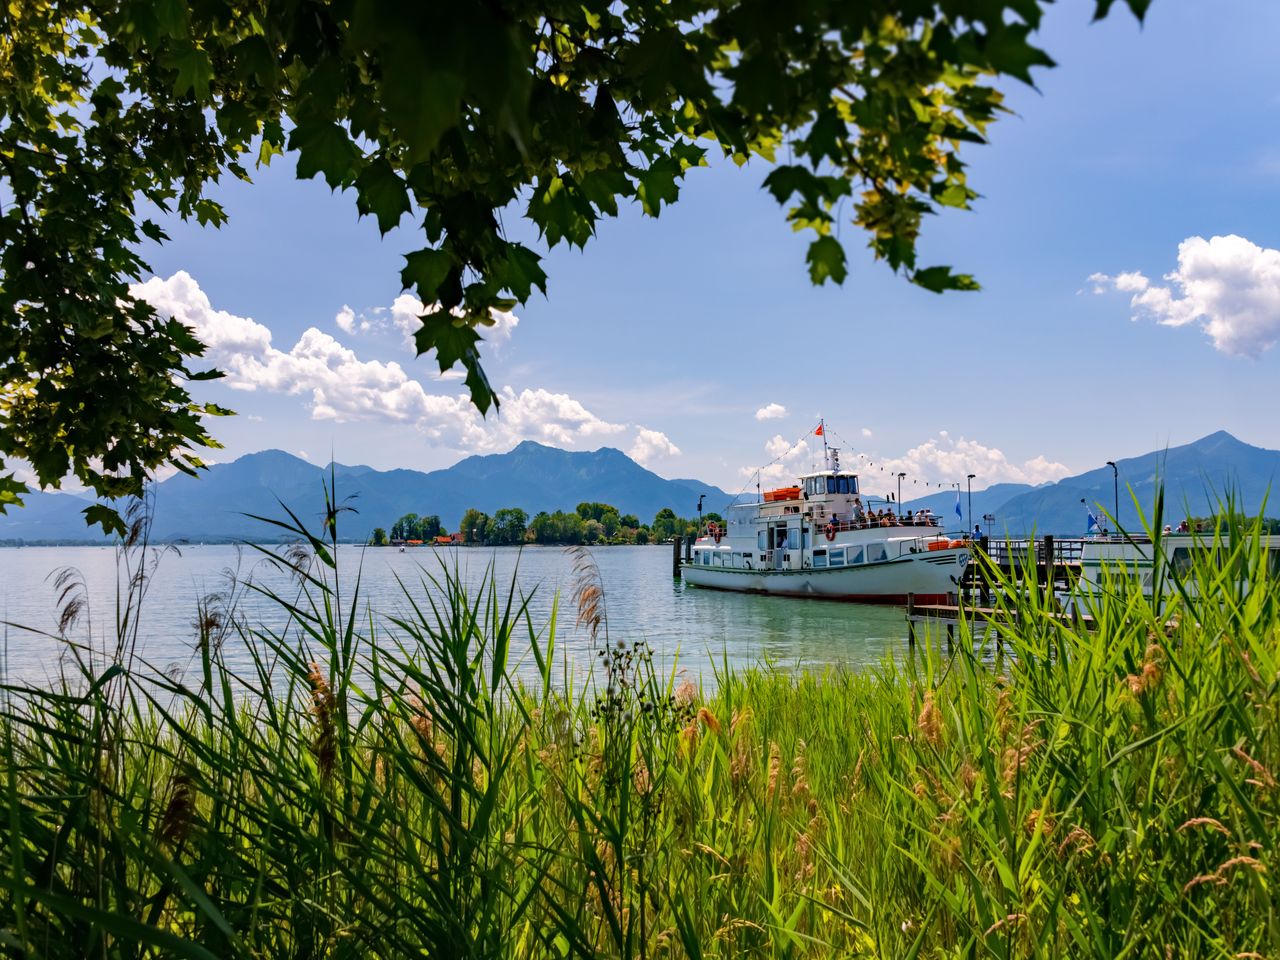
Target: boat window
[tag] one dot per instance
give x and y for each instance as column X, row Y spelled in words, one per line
column 837, row 557
column 793, row 538
column 853, row 485
column 855, row 554
column 1181, row 561
column 843, row 484
column 1184, row 559
column 876, row 553
column 706, row 559
column 804, row 539
column 831, row 484
column 761, row 541
column 819, row 558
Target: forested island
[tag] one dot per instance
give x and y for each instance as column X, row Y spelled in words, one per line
column 589, row 523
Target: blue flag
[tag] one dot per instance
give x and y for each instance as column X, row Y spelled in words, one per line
column 1093, row 523
column 959, row 512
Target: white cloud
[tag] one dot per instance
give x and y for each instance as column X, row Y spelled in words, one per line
column 773, row 411
column 866, row 433
column 650, row 446
column 346, row 319
column 943, row 460
column 340, row 386
column 1229, row 285
column 937, row 460
column 783, row 460
column 406, row 311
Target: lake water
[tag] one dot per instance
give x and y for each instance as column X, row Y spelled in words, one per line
column 693, row 629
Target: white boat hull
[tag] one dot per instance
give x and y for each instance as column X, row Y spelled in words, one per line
column 929, row 577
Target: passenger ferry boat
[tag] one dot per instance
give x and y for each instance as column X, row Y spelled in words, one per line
column 817, row 539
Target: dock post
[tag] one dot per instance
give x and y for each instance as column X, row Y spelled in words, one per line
column 675, row 558
column 688, row 549
column 984, row 585
column 911, row 623
column 1049, row 573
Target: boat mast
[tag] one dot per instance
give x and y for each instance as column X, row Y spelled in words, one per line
column 826, row 456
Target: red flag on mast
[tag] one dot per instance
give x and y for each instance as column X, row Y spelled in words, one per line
column 818, row 432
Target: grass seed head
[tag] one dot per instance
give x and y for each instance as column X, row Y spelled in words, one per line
column 323, row 707
column 929, row 723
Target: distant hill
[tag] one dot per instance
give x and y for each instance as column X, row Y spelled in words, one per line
column 1195, row 476
column 985, row 501
column 531, row 476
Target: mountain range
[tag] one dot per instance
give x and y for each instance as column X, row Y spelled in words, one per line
column 212, row 507
column 1196, row 476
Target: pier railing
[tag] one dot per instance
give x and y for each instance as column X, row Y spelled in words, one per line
column 1016, row 552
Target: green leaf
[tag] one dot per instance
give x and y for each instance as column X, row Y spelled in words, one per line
column 105, row 517
column 561, row 211
column 940, row 279
column 381, row 191
column 1008, row 51
column 428, row 270
column 1139, row 8
column 454, row 340
column 658, row 185
column 324, row 148
column 421, row 101
column 209, row 212
column 785, row 181
column 522, row 272
column 826, row 261
column 194, row 70
column 603, row 187
column 11, row 492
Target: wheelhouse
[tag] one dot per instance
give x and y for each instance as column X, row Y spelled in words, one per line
column 829, row 483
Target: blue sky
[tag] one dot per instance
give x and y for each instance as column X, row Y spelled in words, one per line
column 671, row 334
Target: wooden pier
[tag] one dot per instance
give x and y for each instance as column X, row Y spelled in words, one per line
column 1053, row 562
column 949, row 615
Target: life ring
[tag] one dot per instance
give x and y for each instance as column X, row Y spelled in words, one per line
column 830, row 532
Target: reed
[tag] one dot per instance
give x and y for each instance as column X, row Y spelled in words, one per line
column 386, row 787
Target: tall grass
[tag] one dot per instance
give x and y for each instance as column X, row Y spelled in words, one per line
column 387, row 788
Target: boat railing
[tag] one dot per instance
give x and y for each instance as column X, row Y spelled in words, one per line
column 845, row 526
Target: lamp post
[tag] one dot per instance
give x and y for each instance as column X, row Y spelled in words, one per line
column 1115, row 481
column 900, row 476
column 969, row 483
column 701, row 497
